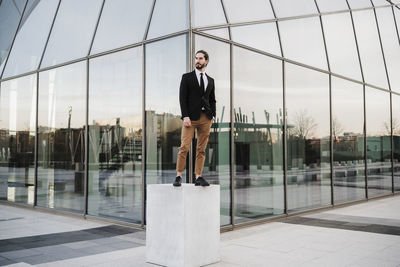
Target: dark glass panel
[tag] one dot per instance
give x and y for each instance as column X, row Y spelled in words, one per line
column 61, row 148
column 115, row 136
column 17, row 139
column 217, row 164
column 348, row 141
column 163, row 115
column 378, row 142
column 258, row 151
column 308, row 131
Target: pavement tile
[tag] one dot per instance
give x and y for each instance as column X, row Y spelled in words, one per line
column 12, row 255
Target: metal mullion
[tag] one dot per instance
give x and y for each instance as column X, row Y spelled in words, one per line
column 381, row 44
column 149, row 21
column 86, row 145
column 364, row 106
column 388, row 81
column 232, row 138
column 48, row 37
column 144, row 134
column 35, row 156
column 395, row 24
column 330, row 107
column 277, row 28
column 95, row 28
column 189, row 54
column 391, row 140
column 226, row 18
column 13, row 40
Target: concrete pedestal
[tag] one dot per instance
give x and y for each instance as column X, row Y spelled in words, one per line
column 183, row 225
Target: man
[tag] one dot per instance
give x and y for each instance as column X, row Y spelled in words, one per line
column 197, row 101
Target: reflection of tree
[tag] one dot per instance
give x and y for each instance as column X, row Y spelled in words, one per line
column 337, row 128
column 396, row 127
column 304, row 125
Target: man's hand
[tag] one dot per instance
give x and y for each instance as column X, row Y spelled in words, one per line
column 187, row 122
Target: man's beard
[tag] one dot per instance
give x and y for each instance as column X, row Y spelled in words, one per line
column 199, row 67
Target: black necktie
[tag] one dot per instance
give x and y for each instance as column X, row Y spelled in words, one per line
column 202, row 82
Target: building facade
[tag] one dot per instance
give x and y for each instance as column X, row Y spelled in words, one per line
column 308, row 103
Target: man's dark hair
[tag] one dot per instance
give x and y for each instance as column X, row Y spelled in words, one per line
column 204, row 53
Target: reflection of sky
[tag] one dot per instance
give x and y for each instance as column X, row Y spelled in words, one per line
column 17, row 104
column 378, row 111
column 165, row 64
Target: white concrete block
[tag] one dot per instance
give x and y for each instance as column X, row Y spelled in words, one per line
column 183, row 225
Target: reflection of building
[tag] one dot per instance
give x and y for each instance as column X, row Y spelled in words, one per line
column 320, row 82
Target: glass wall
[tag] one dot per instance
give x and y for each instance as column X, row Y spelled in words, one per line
column 163, row 114
column 378, row 142
column 115, row 136
column 17, row 139
column 308, row 128
column 348, row 140
column 258, row 151
column 61, row 148
column 217, row 164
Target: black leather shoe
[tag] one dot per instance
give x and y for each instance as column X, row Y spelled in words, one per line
column 178, row 181
column 201, row 181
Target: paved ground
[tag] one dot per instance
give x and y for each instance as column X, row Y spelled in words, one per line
column 366, row 234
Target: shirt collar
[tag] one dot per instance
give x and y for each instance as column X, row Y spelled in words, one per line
column 198, row 72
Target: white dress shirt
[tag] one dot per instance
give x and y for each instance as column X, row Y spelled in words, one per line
column 204, row 78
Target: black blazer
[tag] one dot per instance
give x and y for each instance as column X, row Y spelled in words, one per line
column 190, row 95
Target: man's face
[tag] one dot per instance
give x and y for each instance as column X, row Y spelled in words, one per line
column 201, row 62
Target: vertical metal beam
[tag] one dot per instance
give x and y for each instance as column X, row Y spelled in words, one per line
column 48, row 37
column 330, row 106
column 13, row 40
column 395, row 24
column 95, row 28
column 144, row 135
column 365, row 117
column 36, row 140
column 226, row 19
column 149, row 21
column 86, row 162
column 191, row 38
column 232, row 137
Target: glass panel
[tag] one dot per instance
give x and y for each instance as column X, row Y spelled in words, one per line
column 122, row 22
column 169, row 16
column 348, row 141
column 213, row 9
column 61, row 150
column 34, row 31
column 370, row 49
column 290, row 8
column 260, row 36
column 10, row 14
column 378, row 142
column 380, row 2
column 302, row 41
column 396, row 140
column 397, row 16
column 72, row 36
column 239, row 10
column 223, row 33
column 258, row 98
column 163, row 114
column 308, row 153
column 359, row 3
column 217, row 163
column 329, row 5
column 390, row 44
column 17, row 139
column 341, row 45
column 115, row 136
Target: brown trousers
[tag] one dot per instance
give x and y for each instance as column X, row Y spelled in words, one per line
column 203, row 126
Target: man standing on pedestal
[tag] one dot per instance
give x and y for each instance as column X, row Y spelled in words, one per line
column 197, row 101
